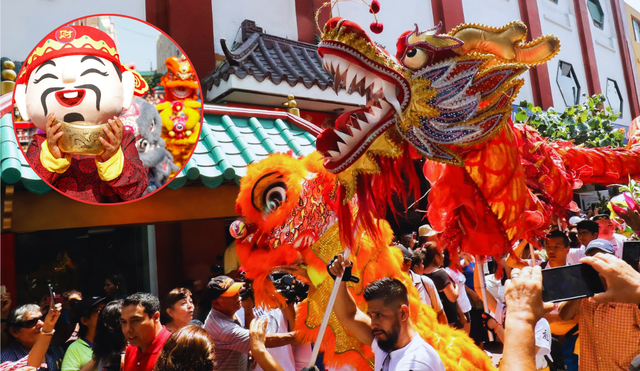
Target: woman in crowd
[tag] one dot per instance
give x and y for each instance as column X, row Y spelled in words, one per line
column 178, row 309
column 24, row 325
column 110, row 343
column 115, row 287
column 188, row 349
column 80, row 352
column 447, row 288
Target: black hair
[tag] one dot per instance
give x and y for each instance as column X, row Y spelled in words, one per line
column 588, row 225
column 559, row 234
column 418, row 258
column 446, row 260
column 173, row 297
column 149, row 301
column 390, row 290
column 109, row 341
column 430, row 252
column 118, row 280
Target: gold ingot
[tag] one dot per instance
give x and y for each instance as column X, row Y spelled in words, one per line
column 81, row 138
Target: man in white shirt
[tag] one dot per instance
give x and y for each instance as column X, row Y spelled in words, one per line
column 558, row 252
column 387, row 328
column 425, row 286
column 607, row 232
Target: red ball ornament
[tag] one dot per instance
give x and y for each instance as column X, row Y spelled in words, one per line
column 375, row 7
column 376, row 27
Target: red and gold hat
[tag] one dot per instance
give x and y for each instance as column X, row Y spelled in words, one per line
column 77, row 40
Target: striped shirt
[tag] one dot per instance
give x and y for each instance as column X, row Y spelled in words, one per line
column 231, row 341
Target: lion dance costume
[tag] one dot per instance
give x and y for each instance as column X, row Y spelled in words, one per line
column 447, row 98
column 181, row 110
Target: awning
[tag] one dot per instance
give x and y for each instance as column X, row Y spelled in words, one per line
column 231, row 138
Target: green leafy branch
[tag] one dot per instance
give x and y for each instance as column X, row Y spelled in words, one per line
column 589, row 123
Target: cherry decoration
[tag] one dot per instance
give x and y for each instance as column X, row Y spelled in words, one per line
column 375, row 7
column 376, row 27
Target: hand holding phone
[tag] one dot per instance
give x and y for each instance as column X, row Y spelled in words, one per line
column 570, row 282
column 53, row 295
column 631, row 254
column 623, row 282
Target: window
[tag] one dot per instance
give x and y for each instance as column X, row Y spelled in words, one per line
column 597, row 14
column 614, row 98
column 636, row 29
column 568, row 84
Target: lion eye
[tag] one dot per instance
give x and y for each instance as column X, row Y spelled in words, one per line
column 415, row 58
column 274, row 196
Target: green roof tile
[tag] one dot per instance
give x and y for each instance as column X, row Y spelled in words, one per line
column 228, row 144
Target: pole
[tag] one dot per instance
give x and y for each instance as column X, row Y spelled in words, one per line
column 483, row 289
column 327, row 314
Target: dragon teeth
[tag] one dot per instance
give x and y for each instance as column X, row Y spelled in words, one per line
column 389, row 91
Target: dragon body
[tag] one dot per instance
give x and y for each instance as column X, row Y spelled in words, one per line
column 291, row 214
column 448, row 98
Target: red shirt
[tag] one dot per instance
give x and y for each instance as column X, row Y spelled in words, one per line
column 136, row 360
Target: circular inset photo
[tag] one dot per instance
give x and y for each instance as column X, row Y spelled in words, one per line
column 109, row 109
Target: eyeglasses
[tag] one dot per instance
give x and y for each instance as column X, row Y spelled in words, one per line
column 30, row 323
column 600, row 217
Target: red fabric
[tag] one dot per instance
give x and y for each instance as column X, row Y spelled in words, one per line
column 81, row 180
column 136, row 360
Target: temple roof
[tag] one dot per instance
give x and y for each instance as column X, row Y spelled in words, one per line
column 270, row 57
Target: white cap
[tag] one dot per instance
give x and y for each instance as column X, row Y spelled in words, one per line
column 575, row 220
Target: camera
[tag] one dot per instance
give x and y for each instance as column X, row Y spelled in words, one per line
column 288, row 286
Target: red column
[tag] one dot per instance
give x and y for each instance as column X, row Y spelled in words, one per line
column 8, row 257
column 625, row 56
column 190, row 25
column 449, row 12
column 540, row 81
column 586, row 44
column 306, row 19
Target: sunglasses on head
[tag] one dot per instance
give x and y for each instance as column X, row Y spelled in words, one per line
column 600, row 217
column 30, row 323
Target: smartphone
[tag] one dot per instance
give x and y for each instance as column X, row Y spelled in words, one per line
column 53, row 295
column 570, row 282
column 631, row 253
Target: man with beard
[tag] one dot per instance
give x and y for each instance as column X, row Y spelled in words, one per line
column 387, row 328
column 75, row 74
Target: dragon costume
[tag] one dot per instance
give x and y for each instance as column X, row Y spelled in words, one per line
column 291, row 218
column 444, row 97
column 448, row 98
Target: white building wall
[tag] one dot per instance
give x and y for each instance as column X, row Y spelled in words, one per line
column 23, row 23
column 397, row 17
column 477, row 12
column 609, row 60
column 560, row 20
column 276, row 17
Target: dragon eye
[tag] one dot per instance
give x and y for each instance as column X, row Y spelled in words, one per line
column 415, row 58
column 144, row 144
column 274, row 195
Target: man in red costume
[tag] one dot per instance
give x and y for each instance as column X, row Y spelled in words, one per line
column 75, row 74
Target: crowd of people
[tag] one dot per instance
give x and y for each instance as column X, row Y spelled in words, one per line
column 139, row 333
